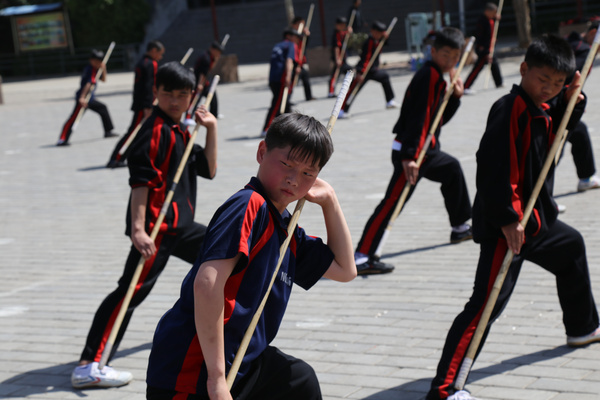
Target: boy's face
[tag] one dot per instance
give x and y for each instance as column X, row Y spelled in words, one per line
column 377, row 35
column 95, row 63
column 445, row 57
column 156, row 54
column 285, row 179
column 173, row 102
column 541, row 83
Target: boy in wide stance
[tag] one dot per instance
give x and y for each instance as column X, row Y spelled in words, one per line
column 520, row 129
column 196, row 341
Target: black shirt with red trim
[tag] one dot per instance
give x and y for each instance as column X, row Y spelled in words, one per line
column 511, row 155
column 145, row 78
column 483, row 35
column 421, row 102
column 155, row 155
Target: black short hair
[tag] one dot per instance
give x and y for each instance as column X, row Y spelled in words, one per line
column 97, row 54
column 217, row 46
column 449, row 37
column 341, row 20
column 491, row 6
column 379, row 26
column 551, row 51
column 308, row 138
column 154, row 44
column 593, row 25
column 174, row 76
column 291, row 32
column 297, row 19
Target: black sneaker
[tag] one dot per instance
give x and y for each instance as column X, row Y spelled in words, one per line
column 457, row 237
column 110, row 134
column 373, row 267
column 116, row 164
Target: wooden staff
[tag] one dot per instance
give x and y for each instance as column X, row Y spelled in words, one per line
column 286, row 90
column 467, row 363
column 237, row 361
column 137, row 128
column 343, row 50
column 303, row 45
column 187, row 55
column 432, row 129
column 88, row 95
column 493, row 45
column 372, row 60
column 161, row 216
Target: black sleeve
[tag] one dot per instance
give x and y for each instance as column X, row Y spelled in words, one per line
column 200, row 162
column 148, row 82
column 451, row 107
column 143, row 170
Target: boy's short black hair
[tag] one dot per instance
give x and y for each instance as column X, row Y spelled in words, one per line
column 379, row 26
column 551, row 51
column 154, row 44
column 174, row 76
column 308, row 138
column 291, row 32
column 593, row 25
column 217, row 46
column 449, row 37
column 341, row 20
column 97, row 54
column 297, row 19
column 491, row 7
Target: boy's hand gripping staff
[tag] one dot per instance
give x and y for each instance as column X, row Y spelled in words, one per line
column 421, row 156
column 237, row 361
column 135, row 131
column 493, row 46
column 372, row 60
column 467, row 363
column 88, row 95
column 161, row 216
column 343, row 49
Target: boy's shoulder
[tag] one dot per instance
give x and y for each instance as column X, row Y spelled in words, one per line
column 428, row 72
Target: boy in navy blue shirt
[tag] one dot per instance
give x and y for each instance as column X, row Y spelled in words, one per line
column 520, row 130
column 196, row 341
column 88, row 82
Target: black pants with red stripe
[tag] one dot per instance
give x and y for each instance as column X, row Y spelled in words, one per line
column 438, row 167
column 377, row 75
column 273, row 376
column 581, row 149
column 94, row 105
column 560, row 251
column 483, row 61
column 135, row 120
column 274, row 109
column 184, row 245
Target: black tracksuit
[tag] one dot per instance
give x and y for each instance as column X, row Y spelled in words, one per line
column 143, row 97
column 155, row 155
column 511, row 154
column 337, row 41
column 204, row 64
column 419, row 108
column 374, row 73
column 483, row 46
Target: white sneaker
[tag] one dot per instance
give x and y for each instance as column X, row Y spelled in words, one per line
column 561, row 208
column 343, row 115
column 89, row 375
column 577, row 341
column 391, row 104
column 461, row 395
column 468, row 92
column 593, row 182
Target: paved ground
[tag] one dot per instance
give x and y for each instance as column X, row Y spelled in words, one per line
column 62, row 248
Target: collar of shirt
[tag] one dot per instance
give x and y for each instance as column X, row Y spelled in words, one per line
column 282, row 220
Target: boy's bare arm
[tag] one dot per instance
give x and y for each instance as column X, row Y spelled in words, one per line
column 206, row 119
column 209, row 285
column 343, row 268
column 140, row 238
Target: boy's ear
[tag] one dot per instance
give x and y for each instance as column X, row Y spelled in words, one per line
column 262, row 150
column 524, row 68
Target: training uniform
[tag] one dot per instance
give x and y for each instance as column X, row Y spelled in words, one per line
column 88, row 76
column 511, row 155
column 155, row 156
column 303, row 75
column 250, row 225
column 204, row 64
column 337, row 41
column 579, row 137
column 419, row 108
column 374, row 73
column 143, row 97
column 282, row 51
column 483, row 46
